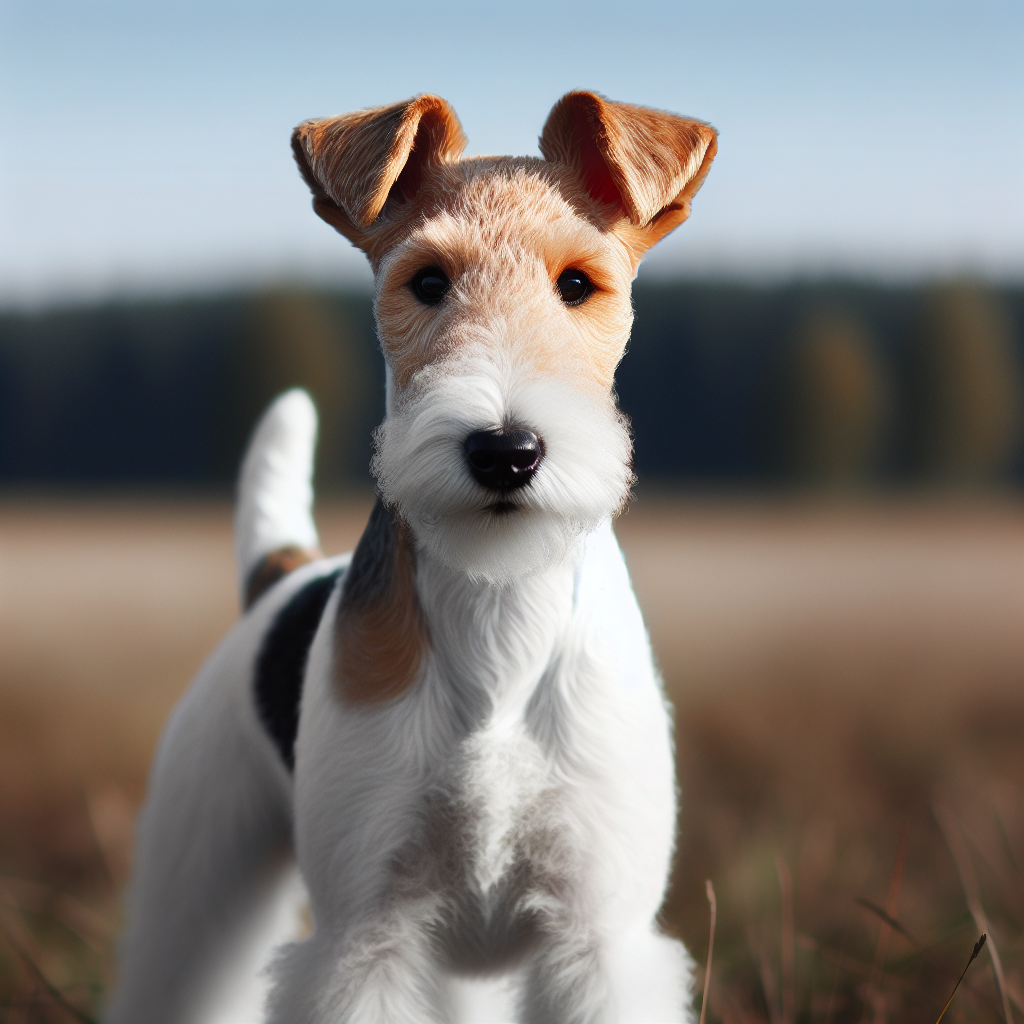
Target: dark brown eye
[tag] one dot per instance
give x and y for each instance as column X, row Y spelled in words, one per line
column 430, row 285
column 574, row 286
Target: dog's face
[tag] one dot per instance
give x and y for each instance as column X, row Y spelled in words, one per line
column 503, row 308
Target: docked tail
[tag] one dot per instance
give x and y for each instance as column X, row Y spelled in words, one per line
column 274, row 528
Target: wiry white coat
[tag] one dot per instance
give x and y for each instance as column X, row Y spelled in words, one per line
column 540, row 720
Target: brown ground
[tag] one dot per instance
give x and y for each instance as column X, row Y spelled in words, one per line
column 847, row 678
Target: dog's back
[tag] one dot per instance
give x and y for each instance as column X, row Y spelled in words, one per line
column 215, row 888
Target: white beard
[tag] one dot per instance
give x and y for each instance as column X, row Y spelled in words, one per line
column 421, row 468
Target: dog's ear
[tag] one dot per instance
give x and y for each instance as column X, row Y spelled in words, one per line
column 643, row 166
column 372, row 161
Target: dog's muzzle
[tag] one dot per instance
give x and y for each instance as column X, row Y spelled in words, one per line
column 504, row 459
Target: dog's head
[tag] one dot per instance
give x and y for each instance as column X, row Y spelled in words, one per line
column 503, row 308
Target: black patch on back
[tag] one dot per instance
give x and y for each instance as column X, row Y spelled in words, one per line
column 281, row 663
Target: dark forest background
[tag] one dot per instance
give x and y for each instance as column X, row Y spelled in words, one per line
column 834, row 385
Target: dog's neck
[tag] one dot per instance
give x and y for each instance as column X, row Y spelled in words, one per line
column 401, row 606
column 495, row 639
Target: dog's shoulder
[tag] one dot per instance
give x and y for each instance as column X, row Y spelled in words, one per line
column 380, row 635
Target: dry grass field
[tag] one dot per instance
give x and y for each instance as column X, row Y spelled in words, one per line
column 849, row 686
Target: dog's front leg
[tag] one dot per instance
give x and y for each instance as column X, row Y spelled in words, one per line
column 381, row 972
column 628, row 976
column 566, row 982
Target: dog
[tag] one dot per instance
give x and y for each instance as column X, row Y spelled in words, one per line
column 453, row 742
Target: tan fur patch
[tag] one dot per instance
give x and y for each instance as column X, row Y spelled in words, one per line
column 380, row 635
column 273, row 567
column 503, row 231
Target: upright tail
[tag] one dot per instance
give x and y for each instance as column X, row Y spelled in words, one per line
column 274, row 528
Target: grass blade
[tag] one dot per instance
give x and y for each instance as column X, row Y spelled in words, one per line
column 788, row 940
column 48, row 987
column 885, row 931
column 974, row 953
column 969, row 881
column 890, row 921
column 713, row 903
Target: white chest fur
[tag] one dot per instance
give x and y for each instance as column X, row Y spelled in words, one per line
column 528, row 766
column 505, row 783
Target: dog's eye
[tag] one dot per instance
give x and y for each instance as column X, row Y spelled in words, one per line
column 574, row 286
column 430, row 285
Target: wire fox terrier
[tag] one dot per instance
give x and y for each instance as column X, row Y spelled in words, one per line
column 455, row 736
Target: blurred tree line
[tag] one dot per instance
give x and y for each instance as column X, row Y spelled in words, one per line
column 815, row 385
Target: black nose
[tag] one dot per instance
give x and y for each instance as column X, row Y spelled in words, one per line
column 503, row 459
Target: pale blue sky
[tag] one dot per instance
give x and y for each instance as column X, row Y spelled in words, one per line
column 144, row 144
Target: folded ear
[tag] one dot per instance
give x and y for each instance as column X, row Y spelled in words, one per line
column 357, row 164
column 643, row 164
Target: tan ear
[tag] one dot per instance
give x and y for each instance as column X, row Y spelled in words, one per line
column 643, row 165
column 356, row 162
